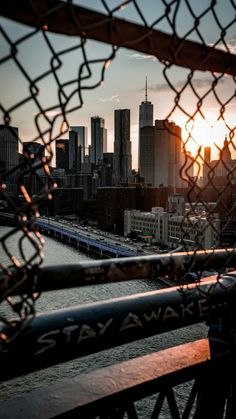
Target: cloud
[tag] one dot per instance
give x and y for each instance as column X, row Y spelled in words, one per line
column 137, row 56
column 231, row 44
column 198, row 83
column 49, row 114
column 114, row 98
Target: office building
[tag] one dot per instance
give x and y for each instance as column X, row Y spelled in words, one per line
column 32, row 148
column 77, row 147
column 36, row 152
column 145, row 120
column 168, row 157
column 66, row 201
column 122, row 147
column 161, row 157
column 107, row 169
column 111, row 203
column 8, row 148
column 146, row 154
column 62, row 154
column 171, row 229
column 215, row 172
column 98, row 139
column 146, row 112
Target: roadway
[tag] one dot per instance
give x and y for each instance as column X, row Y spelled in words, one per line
column 95, row 234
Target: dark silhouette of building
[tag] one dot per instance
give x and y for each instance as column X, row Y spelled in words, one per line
column 107, row 169
column 9, row 158
column 215, row 172
column 8, row 148
column 161, row 157
column 122, row 147
column 66, row 201
column 145, row 120
column 62, row 154
column 112, row 201
column 33, row 150
column 75, row 153
column 168, row 156
column 146, row 154
column 77, row 147
column 98, row 139
column 39, row 184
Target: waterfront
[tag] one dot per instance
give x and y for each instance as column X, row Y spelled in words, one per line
column 57, row 252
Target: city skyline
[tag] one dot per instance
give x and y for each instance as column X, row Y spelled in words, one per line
column 124, row 84
column 204, row 127
column 117, row 285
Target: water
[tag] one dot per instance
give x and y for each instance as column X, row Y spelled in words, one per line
column 57, row 252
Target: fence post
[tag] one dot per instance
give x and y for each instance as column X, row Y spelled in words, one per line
column 216, row 396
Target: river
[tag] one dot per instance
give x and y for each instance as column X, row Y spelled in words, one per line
column 57, row 252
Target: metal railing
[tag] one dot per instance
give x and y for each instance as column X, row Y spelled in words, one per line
column 60, row 336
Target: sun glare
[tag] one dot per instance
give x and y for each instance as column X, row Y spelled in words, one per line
column 204, row 133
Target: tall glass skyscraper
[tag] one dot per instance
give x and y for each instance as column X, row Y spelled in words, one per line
column 145, row 120
column 62, row 154
column 168, row 156
column 98, row 139
column 122, row 147
column 77, row 146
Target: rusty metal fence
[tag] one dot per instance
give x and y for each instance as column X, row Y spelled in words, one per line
column 193, row 48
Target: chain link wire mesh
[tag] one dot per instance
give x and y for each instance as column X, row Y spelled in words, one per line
column 197, row 72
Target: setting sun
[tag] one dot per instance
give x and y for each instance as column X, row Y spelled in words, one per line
column 204, row 133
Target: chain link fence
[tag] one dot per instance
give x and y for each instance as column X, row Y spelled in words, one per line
column 192, row 45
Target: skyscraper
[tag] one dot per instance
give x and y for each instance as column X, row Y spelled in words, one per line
column 225, row 159
column 77, row 146
column 31, row 147
column 146, row 147
column 74, row 152
column 207, row 164
column 107, row 169
column 122, row 146
column 8, row 148
column 98, row 139
column 146, row 112
column 145, row 120
column 62, row 154
column 168, row 157
column 220, row 168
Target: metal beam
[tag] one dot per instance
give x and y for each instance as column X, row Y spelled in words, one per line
column 56, row 337
column 69, row 19
column 99, row 391
column 117, row 270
